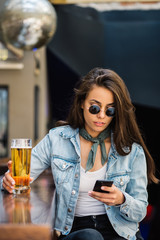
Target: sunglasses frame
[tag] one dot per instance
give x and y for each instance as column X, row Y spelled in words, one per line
column 94, row 105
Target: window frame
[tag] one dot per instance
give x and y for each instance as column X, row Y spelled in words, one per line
column 5, row 87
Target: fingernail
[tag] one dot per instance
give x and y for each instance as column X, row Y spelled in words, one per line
column 89, row 193
column 13, row 183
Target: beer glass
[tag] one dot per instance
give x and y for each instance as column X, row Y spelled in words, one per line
column 21, row 160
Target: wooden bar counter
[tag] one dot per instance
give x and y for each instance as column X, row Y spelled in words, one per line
column 32, row 208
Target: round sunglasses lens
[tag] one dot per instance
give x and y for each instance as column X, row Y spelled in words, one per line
column 110, row 112
column 94, row 109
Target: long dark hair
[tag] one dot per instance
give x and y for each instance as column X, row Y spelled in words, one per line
column 124, row 124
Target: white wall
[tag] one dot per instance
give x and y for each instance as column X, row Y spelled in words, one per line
column 21, row 85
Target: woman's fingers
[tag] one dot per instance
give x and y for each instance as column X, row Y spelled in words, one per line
column 6, row 187
column 114, row 197
column 31, row 179
column 106, row 198
column 8, row 182
column 10, row 166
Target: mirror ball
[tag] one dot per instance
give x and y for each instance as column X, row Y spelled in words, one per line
column 27, row 24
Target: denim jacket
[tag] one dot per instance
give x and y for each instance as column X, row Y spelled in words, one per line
column 60, row 150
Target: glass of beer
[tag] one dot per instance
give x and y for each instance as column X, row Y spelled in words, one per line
column 21, row 161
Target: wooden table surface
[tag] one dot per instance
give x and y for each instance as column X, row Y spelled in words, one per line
column 34, row 207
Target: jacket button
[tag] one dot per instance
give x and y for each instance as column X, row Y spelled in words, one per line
column 121, row 182
column 69, row 210
column 66, row 228
column 73, row 192
column 64, row 165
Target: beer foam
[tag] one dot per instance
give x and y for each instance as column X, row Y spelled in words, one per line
column 21, row 143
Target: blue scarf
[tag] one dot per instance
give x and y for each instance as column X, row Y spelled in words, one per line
column 96, row 141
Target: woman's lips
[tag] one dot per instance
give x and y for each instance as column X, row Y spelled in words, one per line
column 99, row 124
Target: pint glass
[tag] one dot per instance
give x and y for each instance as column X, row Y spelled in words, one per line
column 21, row 160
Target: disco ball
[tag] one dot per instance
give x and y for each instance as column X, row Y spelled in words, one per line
column 27, row 24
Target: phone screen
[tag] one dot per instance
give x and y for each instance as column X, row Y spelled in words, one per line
column 100, row 183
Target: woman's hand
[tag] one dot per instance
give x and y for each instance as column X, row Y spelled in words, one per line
column 8, row 181
column 114, row 197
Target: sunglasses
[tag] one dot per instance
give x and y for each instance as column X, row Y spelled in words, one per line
column 95, row 109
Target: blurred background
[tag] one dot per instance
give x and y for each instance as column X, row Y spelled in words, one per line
column 37, row 77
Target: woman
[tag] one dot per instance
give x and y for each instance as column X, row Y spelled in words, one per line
column 99, row 140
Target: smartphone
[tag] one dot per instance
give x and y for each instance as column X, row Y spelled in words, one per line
column 100, row 183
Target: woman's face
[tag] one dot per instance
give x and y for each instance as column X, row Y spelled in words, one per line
column 96, row 123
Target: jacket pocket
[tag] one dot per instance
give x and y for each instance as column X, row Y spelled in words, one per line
column 120, row 180
column 62, row 170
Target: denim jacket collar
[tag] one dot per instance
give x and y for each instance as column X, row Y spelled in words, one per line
column 73, row 135
column 68, row 132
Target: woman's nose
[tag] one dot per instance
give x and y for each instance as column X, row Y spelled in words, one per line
column 101, row 114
